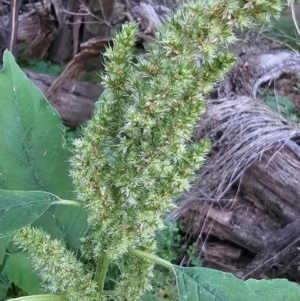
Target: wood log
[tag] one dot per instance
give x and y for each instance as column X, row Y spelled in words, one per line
column 36, row 28
column 90, row 50
column 253, row 207
column 246, row 196
column 73, row 100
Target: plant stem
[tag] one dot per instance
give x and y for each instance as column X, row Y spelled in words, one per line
column 101, row 270
column 67, row 202
column 40, row 298
column 153, row 258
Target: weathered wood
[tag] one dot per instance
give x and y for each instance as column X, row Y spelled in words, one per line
column 73, row 100
column 282, row 250
column 252, row 71
column 247, row 194
column 61, row 49
column 36, row 28
column 97, row 19
column 89, row 50
column 244, row 208
column 213, row 251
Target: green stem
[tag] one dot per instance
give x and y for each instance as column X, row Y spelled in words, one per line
column 101, row 270
column 152, row 258
column 67, row 202
column 40, row 298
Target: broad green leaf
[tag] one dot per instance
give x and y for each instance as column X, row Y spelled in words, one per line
column 3, row 290
column 275, row 290
column 45, row 297
column 4, row 281
column 197, row 284
column 101, row 100
column 67, row 223
column 20, row 271
column 32, row 156
column 20, row 208
column 150, row 297
column 32, row 153
column 4, row 285
column 4, row 243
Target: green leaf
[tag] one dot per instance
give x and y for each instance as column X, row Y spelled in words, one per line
column 4, row 243
column 150, row 297
column 40, row 298
column 275, row 290
column 20, row 208
column 101, row 100
column 20, row 271
column 33, row 158
column 67, row 223
column 32, row 137
column 4, row 286
column 207, row 284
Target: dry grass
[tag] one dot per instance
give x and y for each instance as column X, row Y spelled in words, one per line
column 242, row 130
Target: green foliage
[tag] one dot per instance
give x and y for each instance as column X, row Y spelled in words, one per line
column 210, row 285
column 28, row 123
column 34, row 159
column 284, row 107
column 50, row 256
column 4, row 243
column 283, row 31
column 44, row 67
column 274, row 290
column 21, row 208
column 134, row 158
column 91, row 77
column 136, row 152
column 169, row 240
column 72, row 133
column 4, row 281
column 67, row 223
column 193, row 255
column 20, row 271
column 170, row 247
column 149, row 297
column 4, row 286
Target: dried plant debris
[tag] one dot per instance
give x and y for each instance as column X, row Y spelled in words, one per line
column 242, row 130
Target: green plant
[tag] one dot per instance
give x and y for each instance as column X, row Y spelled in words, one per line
column 284, row 107
column 91, row 77
column 193, row 255
column 283, row 31
column 134, row 158
column 170, row 247
column 43, row 67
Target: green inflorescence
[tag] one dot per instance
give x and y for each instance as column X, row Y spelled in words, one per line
column 60, row 270
column 136, row 155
